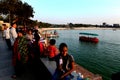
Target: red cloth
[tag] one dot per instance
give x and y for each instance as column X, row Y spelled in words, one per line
column 41, row 48
column 52, row 51
column 15, row 51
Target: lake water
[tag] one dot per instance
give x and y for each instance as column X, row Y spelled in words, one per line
column 102, row 58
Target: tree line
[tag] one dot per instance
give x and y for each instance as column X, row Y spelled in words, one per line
column 16, row 10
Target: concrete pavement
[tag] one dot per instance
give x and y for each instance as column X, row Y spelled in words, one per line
column 6, row 69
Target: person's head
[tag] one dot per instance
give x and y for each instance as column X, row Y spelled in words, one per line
column 36, row 27
column 5, row 26
column 14, row 25
column 29, row 31
column 63, row 49
column 20, row 33
column 52, row 41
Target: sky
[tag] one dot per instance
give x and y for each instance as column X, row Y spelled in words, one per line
column 76, row 11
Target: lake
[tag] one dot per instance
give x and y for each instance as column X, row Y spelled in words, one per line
column 102, row 58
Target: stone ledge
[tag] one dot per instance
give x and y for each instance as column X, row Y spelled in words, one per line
column 51, row 66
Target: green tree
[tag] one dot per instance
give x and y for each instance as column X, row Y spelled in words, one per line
column 15, row 8
column 24, row 12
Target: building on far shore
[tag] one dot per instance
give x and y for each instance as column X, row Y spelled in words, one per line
column 116, row 25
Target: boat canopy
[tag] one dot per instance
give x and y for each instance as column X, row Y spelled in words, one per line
column 92, row 34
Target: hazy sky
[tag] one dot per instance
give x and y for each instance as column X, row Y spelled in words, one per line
column 76, row 11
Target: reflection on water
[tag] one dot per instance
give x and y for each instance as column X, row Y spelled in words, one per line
column 102, row 58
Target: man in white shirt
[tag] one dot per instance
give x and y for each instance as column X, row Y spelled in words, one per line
column 13, row 33
column 7, row 35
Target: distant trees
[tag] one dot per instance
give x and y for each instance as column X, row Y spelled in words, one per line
column 71, row 25
column 16, row 10
column 45, row 25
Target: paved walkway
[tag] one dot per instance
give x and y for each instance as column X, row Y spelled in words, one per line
column 6, row 68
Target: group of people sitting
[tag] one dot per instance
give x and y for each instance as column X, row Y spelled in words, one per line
column 64, row 61
column 28, row 47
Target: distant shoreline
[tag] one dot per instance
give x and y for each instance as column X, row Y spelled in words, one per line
column 81, row 28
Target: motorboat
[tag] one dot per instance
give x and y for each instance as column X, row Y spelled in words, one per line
column 51, row 34
column 88, row 37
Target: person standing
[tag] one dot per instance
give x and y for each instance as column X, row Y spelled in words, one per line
column 64, row 63
column 13, row 33
column 7, row 36
column 20, row 54
column 29, row 35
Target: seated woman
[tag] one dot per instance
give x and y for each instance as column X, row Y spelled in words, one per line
column 64, row 63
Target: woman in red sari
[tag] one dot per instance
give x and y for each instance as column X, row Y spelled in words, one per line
column 20, row 54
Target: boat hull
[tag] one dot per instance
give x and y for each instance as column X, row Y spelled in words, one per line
column 52, row 36
column 89, row 39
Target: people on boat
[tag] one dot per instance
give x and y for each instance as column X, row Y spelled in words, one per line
column 55, row 32
column 64, row 63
